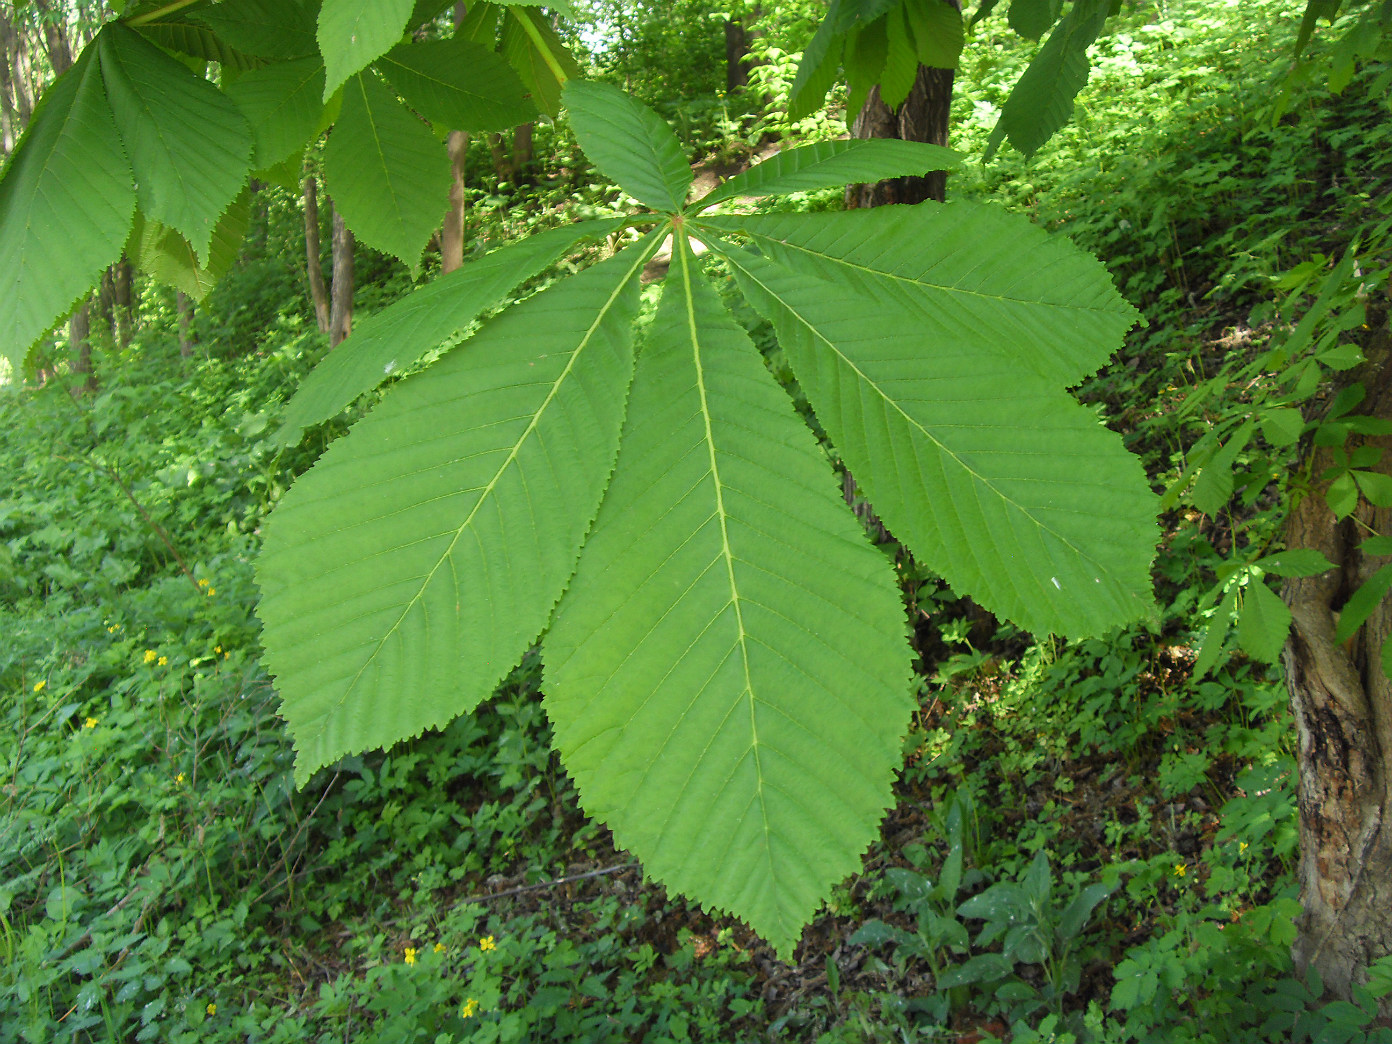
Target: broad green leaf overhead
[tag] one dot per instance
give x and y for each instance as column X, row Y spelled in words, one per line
column 532, row 47
column 166, row 256
column 266, row 28
column 976, row 277
column 188, row 145
column 727, row 673
column 1021, row 500
column 1032, row 18
column 66, row 202
column 937, row 30
column 408, row 571
column 828, row 164
column 629, row 143
column 396, row 338
column 864, row 60
column 352, row 34
column 458, row 83
column 817, row 70
column 282, row 103
column 1042, row 101
column 901, row 60
column 385, row 171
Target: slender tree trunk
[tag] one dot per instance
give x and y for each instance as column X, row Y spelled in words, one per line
column 184, row 304
column 123, row 277
column 922, row 117
column 736, row 55
column 502, row 160
column 341, row 305
column 522, row 152
column 80, row 341
column 314, row 270
column 1342, row 701
column 452, row 232
column 60, row 54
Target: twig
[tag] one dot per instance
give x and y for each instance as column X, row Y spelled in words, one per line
column 520, row 889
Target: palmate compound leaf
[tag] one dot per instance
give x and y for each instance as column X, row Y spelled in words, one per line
column 727, row 673
column 66, row 203
column 988, row 472
column 406, row 574
column 396, row 338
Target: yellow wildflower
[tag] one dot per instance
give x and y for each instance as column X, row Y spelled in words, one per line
column 410, row 955
column 163, row 661
column 151, row 656
column 487, row 943
column 217, row 648
column 470, row 1009
column 212, row 591
column 1180, row 869
column 40, row 686
column 212, row 1009
column 1241, row 847
column 179, row 779
column 439, row 947
column 203, row 583
column 90, row 723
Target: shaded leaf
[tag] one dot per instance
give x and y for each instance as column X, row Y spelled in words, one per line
column 1361, row 604
column 283, row 104
column 1217, row 633
column 532, row 47
column 629, row 143
column 66, row 201
column 188, row 145
column 727, row 673
column 1263, row 624
column 167, row 257
column 1300, row 561
column 388, row 176
column 901, row 60
column 280, row 29
column 938, row 32
column 1032, row 18
column 407, row 572
column 395, row 339
column 458, row 84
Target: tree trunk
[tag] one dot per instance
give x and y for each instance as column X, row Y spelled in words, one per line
column 123, row 277
column 922, row 117
column 60, row 54
column 341, row 305
column 452, row 232
column 314, row 270
column 80, row 342
column 184, row 304
column 736, row 55
column 522, row 152
column 1342, row 701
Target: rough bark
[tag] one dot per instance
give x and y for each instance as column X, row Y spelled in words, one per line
column 1342, row 702
column 922, row 117
column 452, row 232
column 341, row 298
column 318, row 291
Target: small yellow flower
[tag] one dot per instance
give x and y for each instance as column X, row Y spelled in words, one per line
column 212, row 1009
column 470, row 1009
column 90, row 723
column 487, row 943
column 439, row 947
column 217, row 648
column 163, row 661
column 212, row 591
column 1241, row 847
column 410, row 955
column 179, row 779
column 1180, row 869
column 151, row 656
column 40, row 686
column 203, row 583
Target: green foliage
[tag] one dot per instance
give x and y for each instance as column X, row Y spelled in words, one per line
column 436, row 581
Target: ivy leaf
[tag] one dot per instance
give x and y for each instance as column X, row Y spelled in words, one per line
column 629, row 143
column 66, row 201
column 396, row 338
column 828, row 164
column 700, row 700
column 407, row 572
column 1263, row 624
column 992, row 494
column 282, row 103
column 458, row 83
column 387, row 174
column 189, row 146
column 352, row 34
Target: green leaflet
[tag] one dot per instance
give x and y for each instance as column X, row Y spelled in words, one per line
column 282, row 103
column 188, row 145
column 408, row 571
column 458, row 83
column 387, row 174
column 532, row 47
column 901, row 60
column 352, row 34
column 993, row 476
column 727, row 673
column 1264, row 623
column 395, row 339
column 817, row 70
column 629, row 143
column 864, row 60
column 1032, row 18
column 938, row 32
column 265, row 28
column 1042, row 100
column 977, row 279
column 66, row 200
column 167, row 257
column 827, row 164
